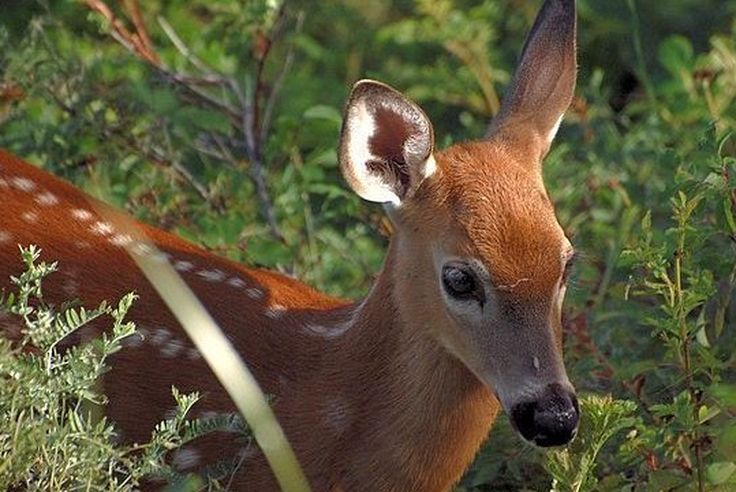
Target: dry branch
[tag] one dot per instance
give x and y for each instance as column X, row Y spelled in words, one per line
column 251, row 114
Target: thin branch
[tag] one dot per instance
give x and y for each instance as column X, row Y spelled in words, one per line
column 201, row 148
column 134, row 12
column 245, row 117
column 185, row 51
column 133, row 42
column 279, row 82
column 224, row 149
column 198, row 96
column 252, row 131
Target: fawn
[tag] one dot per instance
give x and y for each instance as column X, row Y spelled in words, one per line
column 396, row 391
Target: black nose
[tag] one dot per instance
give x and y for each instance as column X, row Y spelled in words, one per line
column 549, row 420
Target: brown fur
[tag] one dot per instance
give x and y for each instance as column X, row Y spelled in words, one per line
column 498, row 200
column 414, row 417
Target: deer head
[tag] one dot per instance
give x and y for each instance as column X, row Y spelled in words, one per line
column 480, row 259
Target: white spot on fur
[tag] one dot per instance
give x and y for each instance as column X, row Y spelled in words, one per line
column 71, row 286
column 333, row 331
column 160, row 336
column 143, row 331
column 236, row 282
column 121, row 240
column 102, row 228
column 254, row 293
column 83, row 245
column 133, row 341
column 81, row 214
column 172, row 348
column 208, row 415
column 212, row 275
column 183, row 266
column 23, row 184
column 561, row 297
column 535, row 363
column 275, row 311
column 186, row 458
column 47, row 198
column 4, row 184
column 193, row 354
column 337, row 415
column 30, row 217
column 5, row 237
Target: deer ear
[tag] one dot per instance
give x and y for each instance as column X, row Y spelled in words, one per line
column 386, row 144
column 543, row 85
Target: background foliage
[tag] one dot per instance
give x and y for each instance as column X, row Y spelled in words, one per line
column 221, row 124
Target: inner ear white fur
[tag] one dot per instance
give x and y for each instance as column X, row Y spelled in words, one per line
column 429, row 167
column 386, row 144
column 553, row 132
column 369, row 186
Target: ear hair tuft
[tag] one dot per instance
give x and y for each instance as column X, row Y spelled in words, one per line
column 386, row 143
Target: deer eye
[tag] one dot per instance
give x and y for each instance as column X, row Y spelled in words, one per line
column 461, row 283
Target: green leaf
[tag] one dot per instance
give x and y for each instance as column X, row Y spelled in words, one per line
column 660, row 480
column 646, row 222
column 676, row 54
column 322, row 111
column 705, row 413
column 728, row 212
column 725, row 393
column 718, row 473
column 701, row 336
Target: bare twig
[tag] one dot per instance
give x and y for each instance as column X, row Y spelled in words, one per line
column 247, row 115
column 185, row 51
column 137, row 42
column 201, row 98
column 254, row 137
column 134, row 12
column 133, row 43
column 203, row 149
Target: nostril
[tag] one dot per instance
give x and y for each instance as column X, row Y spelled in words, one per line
column 523, row 419
column 557, row 421
column 550, row 421
column 555, row 428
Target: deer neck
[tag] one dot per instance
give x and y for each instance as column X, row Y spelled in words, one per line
column 423, row 414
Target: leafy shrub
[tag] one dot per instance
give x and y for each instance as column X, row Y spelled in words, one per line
column 573, row 469
column 54, row 437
